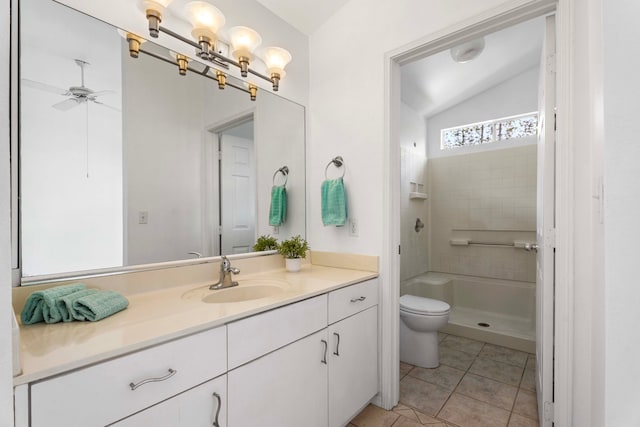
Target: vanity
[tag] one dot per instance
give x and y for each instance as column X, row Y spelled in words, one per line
column 305, row 355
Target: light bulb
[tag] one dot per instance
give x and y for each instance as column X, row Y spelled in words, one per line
column 244, row 40
column 276, row 58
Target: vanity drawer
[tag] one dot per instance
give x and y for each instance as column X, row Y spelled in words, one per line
column 274, row 329
column 102, row 394
column 352, row 299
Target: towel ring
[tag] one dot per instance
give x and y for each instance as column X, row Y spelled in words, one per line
column 337, row 161
column 284, row 171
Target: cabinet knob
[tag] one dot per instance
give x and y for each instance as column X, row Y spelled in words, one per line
column 337, row 352
column 171, row 373
column 362, row 298
column 324, row 357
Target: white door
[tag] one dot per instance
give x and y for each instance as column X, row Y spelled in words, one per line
column 238, row 188
column 353, row 365
column 286, row 388
column 545, row 228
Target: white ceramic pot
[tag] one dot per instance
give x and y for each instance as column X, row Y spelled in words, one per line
column 293, row 264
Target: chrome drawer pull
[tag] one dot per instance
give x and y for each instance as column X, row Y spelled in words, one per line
column 337, row 352
column 358, row 299
column 326, row 346
column 215, row 420
column 171, row 373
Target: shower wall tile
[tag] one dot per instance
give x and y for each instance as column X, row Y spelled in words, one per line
column 488, row 196
column 414, row 256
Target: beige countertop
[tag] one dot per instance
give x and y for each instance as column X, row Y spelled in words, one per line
column 158, row 316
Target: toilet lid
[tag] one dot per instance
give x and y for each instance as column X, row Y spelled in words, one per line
column 415, row 304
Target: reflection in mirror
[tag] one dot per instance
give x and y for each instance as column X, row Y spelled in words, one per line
column 125, row 162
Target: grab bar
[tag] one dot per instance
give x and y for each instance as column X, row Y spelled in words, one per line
column 518, row 244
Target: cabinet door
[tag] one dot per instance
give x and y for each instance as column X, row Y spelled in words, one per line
column 353, row 365
column 200, row 406
column 285, row 388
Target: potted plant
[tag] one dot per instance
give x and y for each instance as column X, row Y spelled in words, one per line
column 265, row 243
column 293, row 250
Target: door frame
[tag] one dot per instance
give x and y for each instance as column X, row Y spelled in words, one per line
column 508, row 14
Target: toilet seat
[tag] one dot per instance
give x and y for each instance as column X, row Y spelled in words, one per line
column 424, row 306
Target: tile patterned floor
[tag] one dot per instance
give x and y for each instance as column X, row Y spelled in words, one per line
column 476, row 385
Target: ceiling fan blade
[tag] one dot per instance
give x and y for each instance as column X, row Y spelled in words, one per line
column 102, row 92
column 45, row 87
column 105, row 105
column 66, row 104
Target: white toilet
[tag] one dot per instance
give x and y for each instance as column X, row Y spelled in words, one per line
column 420, row 320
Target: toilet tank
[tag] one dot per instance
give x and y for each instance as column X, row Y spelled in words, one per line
column 430, row 285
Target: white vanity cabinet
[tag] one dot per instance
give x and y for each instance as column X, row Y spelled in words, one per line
column 308, row 378
column 353, row 350
column 204, row 405
column 107, row 392
column 285, row 388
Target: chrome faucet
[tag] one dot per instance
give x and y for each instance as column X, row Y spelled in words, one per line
column 225, row 281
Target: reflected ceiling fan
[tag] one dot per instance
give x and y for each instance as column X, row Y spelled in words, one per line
column 77, row 95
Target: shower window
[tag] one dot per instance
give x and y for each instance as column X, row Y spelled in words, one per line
column 502, row 129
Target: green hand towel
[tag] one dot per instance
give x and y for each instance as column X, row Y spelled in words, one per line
column 334, row 202
column 41, row 305
column 99, row 305
column 278, row 210
column 65, row 304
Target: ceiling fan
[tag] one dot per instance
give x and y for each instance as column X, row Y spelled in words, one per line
column 77, row 95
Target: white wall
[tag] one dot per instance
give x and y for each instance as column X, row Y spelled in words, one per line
column 6, row 391
column 622, row 224
column 346, row 108
column 413, row 165
column 516, row 95
column 164, row 135
column 71, row 161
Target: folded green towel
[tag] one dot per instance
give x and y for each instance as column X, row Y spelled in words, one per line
column 278, row 210
column 334, row 202
column 65, row 304
column 41, row 305
column 99, row 305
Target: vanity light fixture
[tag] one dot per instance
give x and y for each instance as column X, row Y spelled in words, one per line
column 182, row 61
column 154, row 9
column 276, row 58
column 206, row 20
column 134, row 41
column 244, row 41
column 221, row 78
column 253, row 91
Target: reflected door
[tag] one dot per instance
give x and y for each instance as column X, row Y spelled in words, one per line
column 238, row 183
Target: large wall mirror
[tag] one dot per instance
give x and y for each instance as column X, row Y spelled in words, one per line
column 155, row 167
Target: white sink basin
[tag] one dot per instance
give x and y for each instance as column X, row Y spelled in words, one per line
column 247, row 290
